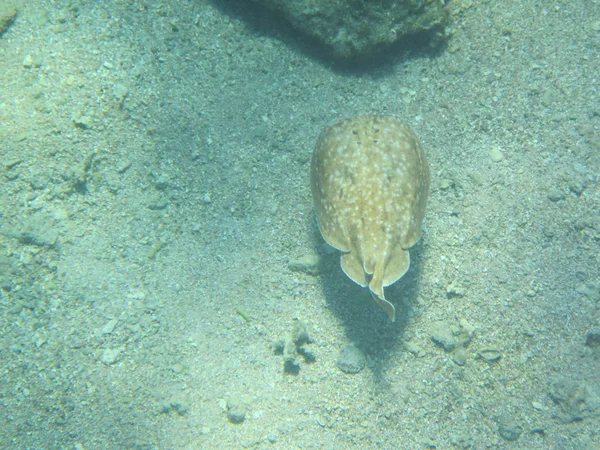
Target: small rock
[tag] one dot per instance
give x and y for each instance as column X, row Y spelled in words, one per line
column 7, row 17
column 577, row 400
column 547, row 97
column 28, row 61
column 446, row 183
column 310, row 264
column 496, row 154
column 236, row 410
column 537, row 405
column 413, row 348
column 38, row 230
column 451, row 336
column 161, row 182
column 459, row 356
column 592, row 339
column 351, row 359
column 578, row 184
column 109, row 327
column 176, row 403
column 179, row 407
column 110, row 355
column 442, row 335
column 83, row 121
column 122, row 168
column 292, row 346
column 158, row 202
column 120, row 91
column 590, row 290
column 509, row 429
column 556, row 194
column 454, row 289
column 489, row 354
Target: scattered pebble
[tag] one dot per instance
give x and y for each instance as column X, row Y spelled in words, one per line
column 509, row 429
column 176, row 403
column 496, row 154
column 109, row 327
column 311, row 264
column 122, row 168
column 556, row 194
column 489, row 354
column 592, row 339
column 83, row 121
column 120, row 91
column 537, row 405
column 158, row 202
column 454, row 289
column 459, row 356
column 38, row 230
column 236, row 410
column 446, row 183
column 7, row 17
column 590, row 290
column 351, row 359
column 292, row 346
column 451, row 336
column 110, row 356
column 576, row 399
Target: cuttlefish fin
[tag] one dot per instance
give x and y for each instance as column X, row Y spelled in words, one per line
column 353, row 268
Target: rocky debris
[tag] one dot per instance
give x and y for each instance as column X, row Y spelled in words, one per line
column 449, row 336
column 351, row 359
column 292, row 346
column 359, row 28
column 509, row 429
column 7, row 17
column 592, row 339
column 236, row 410
column 311, row 264
column 575, row 399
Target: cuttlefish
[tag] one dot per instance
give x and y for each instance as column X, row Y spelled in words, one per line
column 370, row 182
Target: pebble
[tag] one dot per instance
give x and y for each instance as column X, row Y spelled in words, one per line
column 110, row 355
column 592, row 339
column 454, row 289
column 120, row 91
column 176, row 403
column 496, row 154
column 351, row 359
column 38, row 231
column 556, row 194
column 446, row 183
column 158, row 202
column 489, row 354
column 309, row 264
column 236, row 410
column 109, row 327
column 7, row 16
column 82, row 121
column 451, row 336
column 179, row 407
column 509, row 429
column 459, row 356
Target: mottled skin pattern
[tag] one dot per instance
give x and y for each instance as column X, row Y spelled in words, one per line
column 370, row 181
